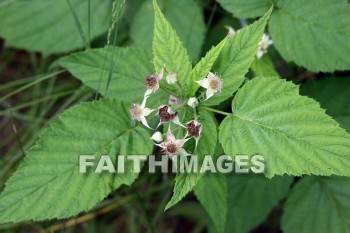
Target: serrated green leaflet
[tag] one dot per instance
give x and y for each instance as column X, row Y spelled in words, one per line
column 246, row 8
column 238, row 203
column 48, row 26
column 332, row 94
column 129, row 69
column 185, row 182
column 169, row 51
column 184, row 15
column 292, row 132
column 236, row 57
column 48, row 183
column 314, row 33
column 318, row 205
column 203, row 67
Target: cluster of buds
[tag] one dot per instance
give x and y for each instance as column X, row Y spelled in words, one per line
column 173, row 146
column 263, row 45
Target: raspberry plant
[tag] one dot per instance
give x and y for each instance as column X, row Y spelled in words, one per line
column 160, row 100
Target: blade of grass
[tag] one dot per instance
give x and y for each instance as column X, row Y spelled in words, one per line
column 15, row 131
column 53, row 74
column 77, row 23
column 31, row 103
column 89, row 24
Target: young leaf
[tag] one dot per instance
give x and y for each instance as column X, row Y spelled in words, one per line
column 236, row 57
column 168, row 51
column 318, row 205
column 246, row 8
column 185, row 182
column 314, row 34
column 332, row 93
column 49, row 26
column 292, row 132
column 92, row 67
column 184, row 15
column 48, row 183
column 238, row 203
column 203, row 67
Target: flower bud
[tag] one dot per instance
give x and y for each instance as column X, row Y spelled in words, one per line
column 174, row 100
column 230, row 31
column 157, row 137
column 192, row 102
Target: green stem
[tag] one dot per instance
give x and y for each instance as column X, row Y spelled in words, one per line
column 217, row 111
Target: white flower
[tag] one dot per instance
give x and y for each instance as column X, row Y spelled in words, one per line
column 192, row 102
column 152, row 82
column 212, row 83
column 167, row 114
column 139, row 112
column 171, row 78
column 263, row 45
column 172, row 146
column 157, row 137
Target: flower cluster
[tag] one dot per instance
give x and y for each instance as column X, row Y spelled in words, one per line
column 263, row 45
column 172, row 146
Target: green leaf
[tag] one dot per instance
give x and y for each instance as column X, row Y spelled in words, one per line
column 168, row 51
column 236, row 58
column 246, row 8
column 238, row 203
column 318, row 205
column 332, row 93
column 314, row 34
column 93, row 66
column 185, row 182
column 203, row 67
column 292, row 132
column 48, row 183
column 184, row 15
column 49, row 26
column 264, row 67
